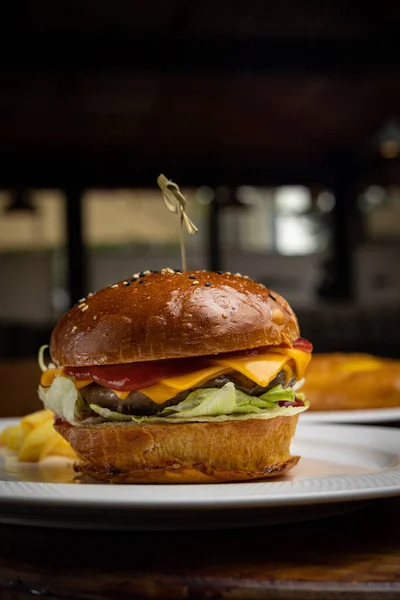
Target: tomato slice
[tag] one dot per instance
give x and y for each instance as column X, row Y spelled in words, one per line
column 287, row 403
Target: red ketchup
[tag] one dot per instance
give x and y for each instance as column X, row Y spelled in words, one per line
column 130, row 377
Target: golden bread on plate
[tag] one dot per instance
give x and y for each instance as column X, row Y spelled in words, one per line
column 352, row 381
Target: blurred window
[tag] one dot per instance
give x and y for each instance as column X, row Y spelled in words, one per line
column 381, row 209
column 287, row 220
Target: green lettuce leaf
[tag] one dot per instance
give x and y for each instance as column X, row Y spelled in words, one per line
column 202, row 405
column 64, row 400
column 215, row 405
column 278, row 393
column 206, row 402
column 110, row 415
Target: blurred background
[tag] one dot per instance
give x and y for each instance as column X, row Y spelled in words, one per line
column 279, row 121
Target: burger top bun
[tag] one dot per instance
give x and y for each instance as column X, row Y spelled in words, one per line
column 168, row 314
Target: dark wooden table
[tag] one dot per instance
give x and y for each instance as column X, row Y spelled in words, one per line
column 356, row 555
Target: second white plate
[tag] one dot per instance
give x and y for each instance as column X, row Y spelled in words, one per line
column 367, row 416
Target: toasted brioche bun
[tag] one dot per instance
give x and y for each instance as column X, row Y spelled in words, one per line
column 340, row 381
column 183, row 453
column 171, row 315
column 168, row 315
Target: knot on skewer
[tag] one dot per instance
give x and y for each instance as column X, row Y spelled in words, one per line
column 176, row 203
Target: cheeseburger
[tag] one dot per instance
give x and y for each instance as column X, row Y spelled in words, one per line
column 178, row 377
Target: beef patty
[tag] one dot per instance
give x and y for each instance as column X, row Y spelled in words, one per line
column 140, row 404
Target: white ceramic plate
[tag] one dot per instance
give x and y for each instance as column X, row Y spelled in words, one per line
column 341, row 466
column 367, row 416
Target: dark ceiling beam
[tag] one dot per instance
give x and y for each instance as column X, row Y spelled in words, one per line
column 61, row 170
column 79, row 53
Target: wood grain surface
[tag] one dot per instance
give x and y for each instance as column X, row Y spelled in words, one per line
column 356, row 555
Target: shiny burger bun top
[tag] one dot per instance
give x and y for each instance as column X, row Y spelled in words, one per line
column 168, row 314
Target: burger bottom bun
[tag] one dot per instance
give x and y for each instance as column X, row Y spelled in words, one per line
column 183, row 453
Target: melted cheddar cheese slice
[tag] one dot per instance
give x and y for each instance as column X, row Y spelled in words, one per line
column 300, row 359
column 48, row 376
column 171, row 386
column 262, row 369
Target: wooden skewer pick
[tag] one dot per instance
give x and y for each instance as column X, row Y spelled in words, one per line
column 176, row 202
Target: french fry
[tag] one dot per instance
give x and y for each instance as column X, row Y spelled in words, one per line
column 35, row 441
column 12, row 437
column 63, row 448
column 58, row 446
column 8, row 433
column 35, row 438
column 33, row 420
column 4, row 436
column 49, row 444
